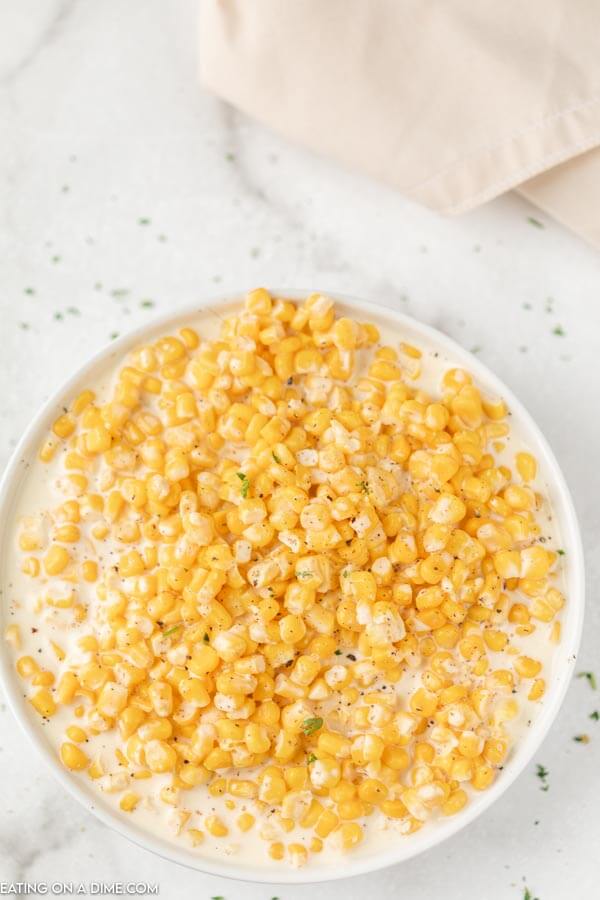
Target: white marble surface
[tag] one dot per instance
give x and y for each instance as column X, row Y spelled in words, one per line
column 102, row 126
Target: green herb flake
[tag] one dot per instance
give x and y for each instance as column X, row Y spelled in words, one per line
column 542, row 773
column 245, row 484
column 58, row 316
column 535, row 222
column 591, row 679
column 476, row 349
column 24, row 326
column 206, row 638
column 173, row 629
column 559, row 331
column 117, row 293
column 309, row 726
column 582, row 738
column 595, row 715
column 527, row 895
column 561, row 552
column 311, row 758
column 146, row 304
column 113, row 335
column 230, row 157
column 275, row 457
column 144, row 221
column 29, row 291
column 303, row 574
column 56, row 259
column 527, row 306
column 73, row 311
column 338, row 652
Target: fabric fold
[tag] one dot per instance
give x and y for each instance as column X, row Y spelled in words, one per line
column 452, row 103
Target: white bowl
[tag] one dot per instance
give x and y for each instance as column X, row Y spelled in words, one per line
column 563, row 661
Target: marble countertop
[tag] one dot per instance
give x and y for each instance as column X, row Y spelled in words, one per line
column 126, row 191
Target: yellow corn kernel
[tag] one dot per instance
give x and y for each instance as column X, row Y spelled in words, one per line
column 276, row 850
column 76, row 734
column 245, row 821
column 27, row 667
column 72, row 757
column 215, row 826
column 13, row 636
column 455, row 802
column 240, row 788
column 196, row 836
column 43, row 702
column 160, row 756
column 56, row 560
column 31, row 567
column 527, row 667
column 537, row 689
column 129, row 801
column 351, row 834
column 64, row 426
column 526, row 466
column 372, row 791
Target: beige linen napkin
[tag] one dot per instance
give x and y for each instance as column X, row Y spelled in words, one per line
column 453, row 102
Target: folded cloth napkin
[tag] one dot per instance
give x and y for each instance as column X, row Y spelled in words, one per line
column 453, row 102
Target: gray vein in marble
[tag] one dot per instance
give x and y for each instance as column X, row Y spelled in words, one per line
column 23, row 849
column 51, row 31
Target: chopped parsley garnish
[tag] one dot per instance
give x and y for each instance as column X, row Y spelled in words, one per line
column 581, row 739
column 29, row 291
column 309, row 726
column 561, row 552
column 527, row 895
column 58, row 316
column 114, row 335
column 311, row 758
column 245, row 484
column 173, row 629
column 206, row 638
column 591, row 678
column 542, row 774
column 146, row 304
column 595, row 715
column 73, row 311
column 535, row 222
column 303, row 574
column 338, row 652
column 275, row 457
column 559, row 331
column 144, row 221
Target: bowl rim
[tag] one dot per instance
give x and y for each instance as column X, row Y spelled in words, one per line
column 525, row 749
